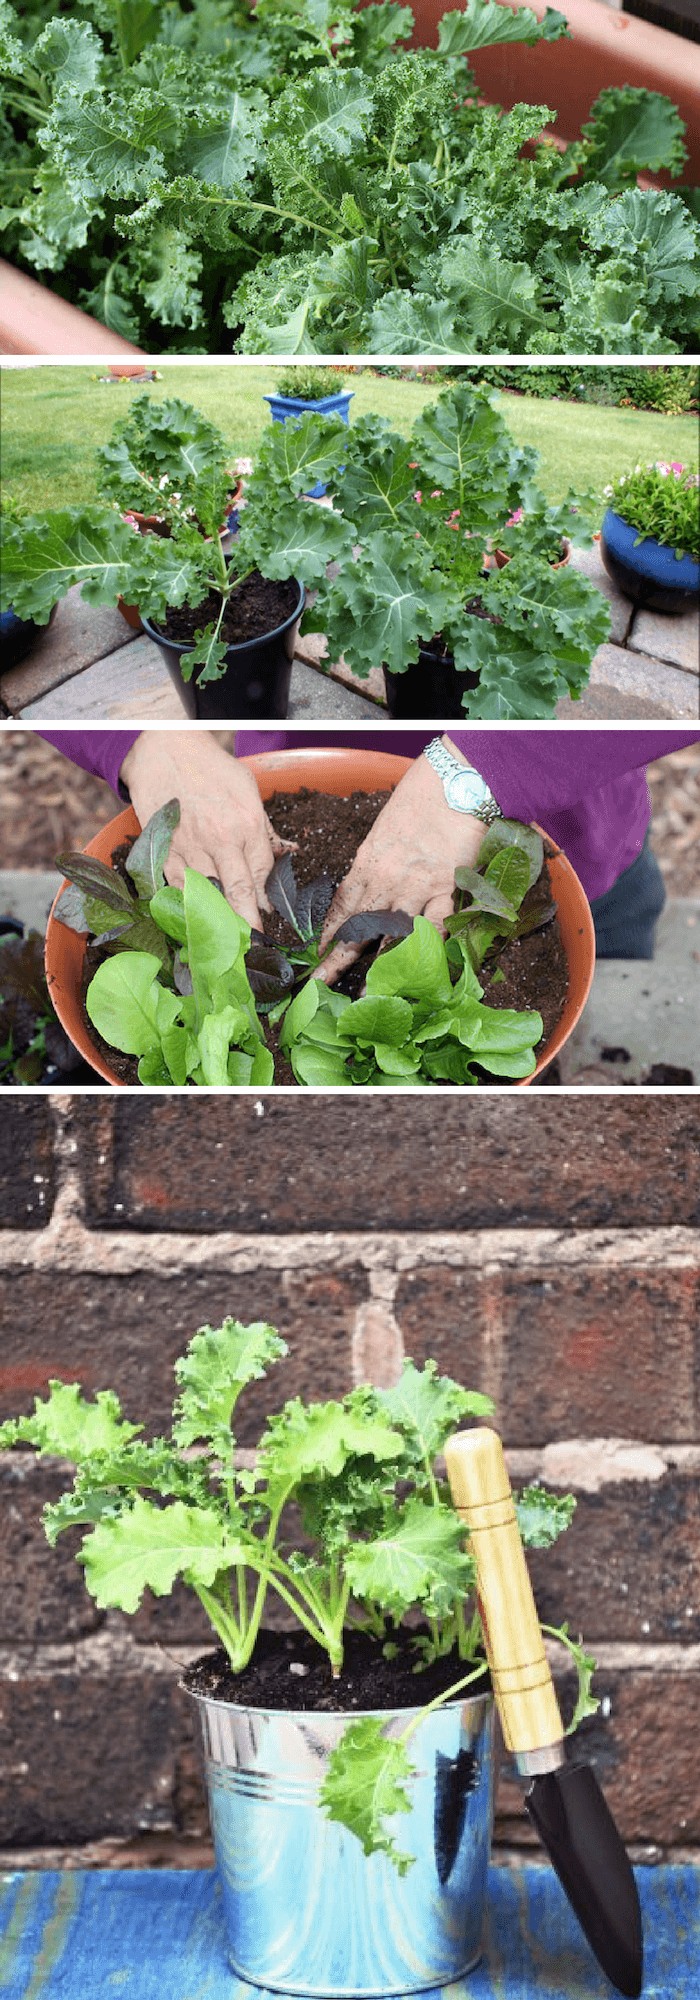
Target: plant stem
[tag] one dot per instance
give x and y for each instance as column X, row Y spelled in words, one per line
column 440, row 1699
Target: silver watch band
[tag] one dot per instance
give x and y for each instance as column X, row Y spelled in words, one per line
column 465, row 791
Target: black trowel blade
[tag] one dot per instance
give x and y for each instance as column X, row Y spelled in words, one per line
column 578, row 1830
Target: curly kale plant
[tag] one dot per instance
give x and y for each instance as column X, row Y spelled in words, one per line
column 166, row 457
column 381, row 1539
column 409, row 536
column 415, row 519
column 294, row 173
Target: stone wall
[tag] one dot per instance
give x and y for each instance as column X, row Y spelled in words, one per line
column 545, row 1249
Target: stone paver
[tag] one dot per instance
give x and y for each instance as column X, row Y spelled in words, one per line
column 132, row 684
column 643, row 1013
column 27, row 894
column 631, row 686
column 674, row 639
column 313, row 648
column 78, row 634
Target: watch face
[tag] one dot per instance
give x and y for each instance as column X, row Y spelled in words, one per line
column 465, row 790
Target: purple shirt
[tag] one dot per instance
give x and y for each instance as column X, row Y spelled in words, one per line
column 586, row 787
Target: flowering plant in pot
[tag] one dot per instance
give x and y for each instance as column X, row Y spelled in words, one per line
column 176, row 982
column 414, row 589
column 650, row 538
column 308, row 184
column 375, row 1705
column 225, row 627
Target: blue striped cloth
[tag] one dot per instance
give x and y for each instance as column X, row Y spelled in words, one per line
column 157, row 1935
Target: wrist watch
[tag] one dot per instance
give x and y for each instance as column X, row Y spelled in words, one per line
column 464, row 790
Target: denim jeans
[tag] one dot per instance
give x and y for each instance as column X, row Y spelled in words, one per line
column 626, row 916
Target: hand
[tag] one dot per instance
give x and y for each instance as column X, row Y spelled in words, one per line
column 408, row 860
column 224, row 829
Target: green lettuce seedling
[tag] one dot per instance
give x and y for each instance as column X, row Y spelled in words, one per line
column 381, row 1541
column 184, row 983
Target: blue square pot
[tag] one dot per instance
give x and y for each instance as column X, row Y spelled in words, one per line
column 282, row 407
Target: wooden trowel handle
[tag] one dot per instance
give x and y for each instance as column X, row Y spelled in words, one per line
column 522, row 1682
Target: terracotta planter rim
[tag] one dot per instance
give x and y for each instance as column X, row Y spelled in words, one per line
column 331, row 770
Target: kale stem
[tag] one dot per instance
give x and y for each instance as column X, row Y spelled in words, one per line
column 440, row 1699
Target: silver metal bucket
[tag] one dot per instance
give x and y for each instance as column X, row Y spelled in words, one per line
column 306, row 1911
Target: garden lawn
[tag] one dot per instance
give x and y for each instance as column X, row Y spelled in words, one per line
column 53, row 418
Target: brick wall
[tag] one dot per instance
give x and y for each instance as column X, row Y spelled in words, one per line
column 546, row 1250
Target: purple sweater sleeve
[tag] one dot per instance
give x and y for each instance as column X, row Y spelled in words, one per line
column 586, row 787
column 101, row 751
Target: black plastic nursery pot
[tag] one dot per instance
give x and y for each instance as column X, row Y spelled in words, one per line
column 254, row 686
column 432, row 685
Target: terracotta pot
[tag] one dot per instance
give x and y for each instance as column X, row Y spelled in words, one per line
column 501, row 559
column 332, row 771
column 153, row 524
column 606, row 48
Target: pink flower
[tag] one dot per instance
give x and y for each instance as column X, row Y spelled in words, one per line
column 513, row 519
column 413, row 465
column 436, row 493
column 419, row 497
column 454, row 516
column 662, row 468
column 675, row 467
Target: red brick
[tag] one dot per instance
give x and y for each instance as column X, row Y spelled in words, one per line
column 596, row 1353
column 42, row 1593
column 645, row 1752
column 628, row 1568
column 429, row 1163
column 126, row 1333
column 87, row 1752
column 27, row 1180
column 443, row 1315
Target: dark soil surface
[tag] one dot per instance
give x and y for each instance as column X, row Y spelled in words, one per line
column 329, row 831
column 256, row 607
column 290, row 1671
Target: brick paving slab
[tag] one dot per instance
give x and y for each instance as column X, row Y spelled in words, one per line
column 674, row 639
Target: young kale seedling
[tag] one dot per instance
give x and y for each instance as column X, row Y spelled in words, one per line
column 381, row 1539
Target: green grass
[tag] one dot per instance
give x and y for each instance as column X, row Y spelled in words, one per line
column 54, row 417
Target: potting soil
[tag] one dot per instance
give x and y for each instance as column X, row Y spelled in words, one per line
column 256, row 608
column 328, row 831
column 290, row 1671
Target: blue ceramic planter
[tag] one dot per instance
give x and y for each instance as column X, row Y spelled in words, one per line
column 648, row 573
column 16, row 637
column 282, row 407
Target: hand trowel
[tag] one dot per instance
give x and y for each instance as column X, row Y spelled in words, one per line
column 564, row 1801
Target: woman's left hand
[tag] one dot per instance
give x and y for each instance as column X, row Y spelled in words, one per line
column 408, row 860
